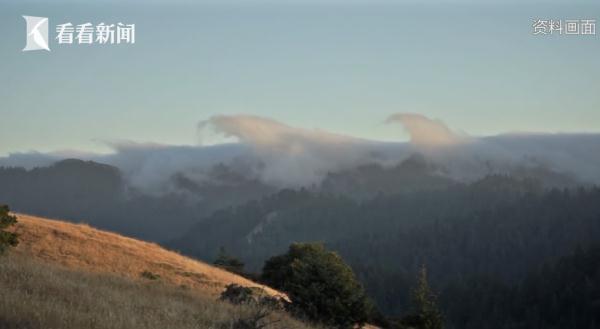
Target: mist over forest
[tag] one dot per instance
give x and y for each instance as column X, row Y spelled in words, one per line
column 493, row 218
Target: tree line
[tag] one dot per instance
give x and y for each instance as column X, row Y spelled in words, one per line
column 479, row 239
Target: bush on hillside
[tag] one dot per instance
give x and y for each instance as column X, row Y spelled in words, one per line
column 149, row 275
column 7, row 239
column 320, row 285
column 238, row 295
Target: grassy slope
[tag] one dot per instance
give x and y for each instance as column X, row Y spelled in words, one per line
column 81, row 247
column 73, row 276
column 40, row 295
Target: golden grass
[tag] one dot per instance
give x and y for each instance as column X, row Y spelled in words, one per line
column 72, row 276
column 81, row 247
column 39, row 295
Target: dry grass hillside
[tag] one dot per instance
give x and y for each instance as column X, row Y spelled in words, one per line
column 81, row 247
column 68, row 276
column 38, row 295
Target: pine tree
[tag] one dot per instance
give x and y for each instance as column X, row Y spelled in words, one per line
column 228, row 262
column 7, row 239
column 426, row 314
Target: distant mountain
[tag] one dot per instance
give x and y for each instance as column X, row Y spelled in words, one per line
column 70, row 188
column 367, row 181
column 102, row 195
column 86, row 191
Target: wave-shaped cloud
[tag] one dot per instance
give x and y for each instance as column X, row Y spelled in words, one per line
column 294, row 156
column 281, row 155
column 424, row 131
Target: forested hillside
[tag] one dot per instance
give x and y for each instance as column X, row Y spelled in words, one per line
column 563, row 294
column 476, row 239
column 484, row 242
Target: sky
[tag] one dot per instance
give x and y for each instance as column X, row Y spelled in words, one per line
column 335, row 66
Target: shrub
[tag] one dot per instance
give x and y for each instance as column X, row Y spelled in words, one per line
column 320, row 285
column 238, row 295
column 149, row 275
column 7, row 239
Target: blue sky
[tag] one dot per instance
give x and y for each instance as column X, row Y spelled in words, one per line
column 333, row 66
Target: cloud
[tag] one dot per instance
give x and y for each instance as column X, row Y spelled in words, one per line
column 267, row 133
column 285, row 156
column 424, row 131
column 294, row 156
column 151, row 167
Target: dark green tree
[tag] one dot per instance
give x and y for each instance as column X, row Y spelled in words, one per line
column 228, row 262
column 320, row 285
column 426, row 314
column 7, row 239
